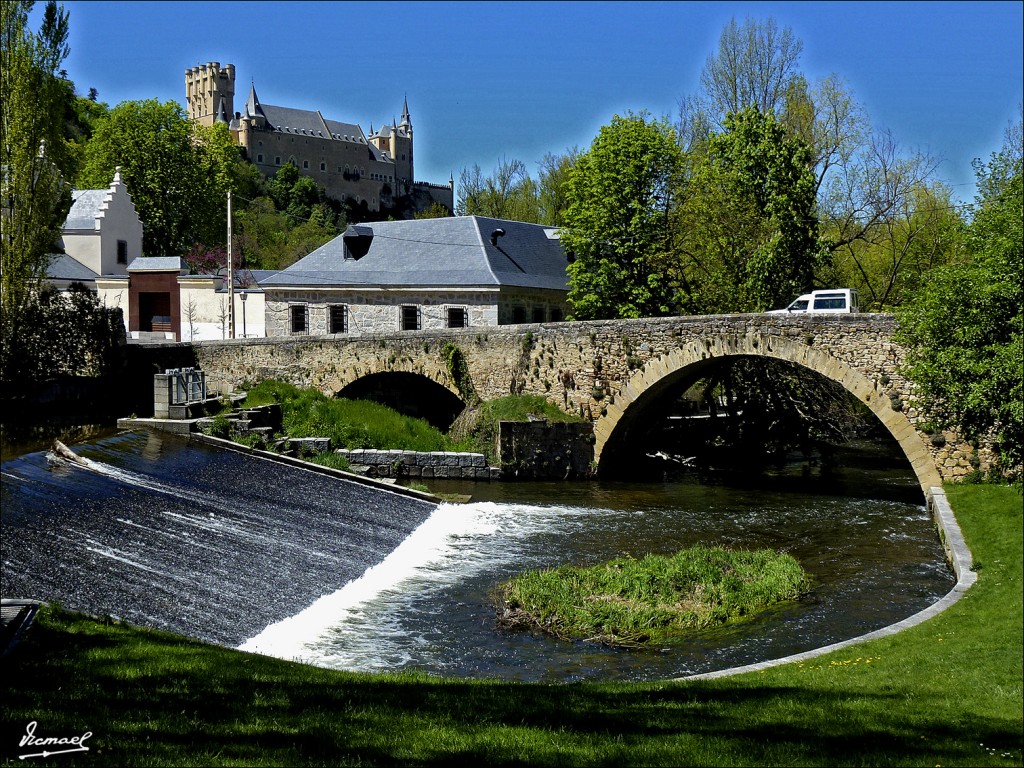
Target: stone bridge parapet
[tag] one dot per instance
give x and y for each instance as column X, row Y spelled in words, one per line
column 600, row 369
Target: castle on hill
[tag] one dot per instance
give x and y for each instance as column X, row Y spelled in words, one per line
column 372, row 172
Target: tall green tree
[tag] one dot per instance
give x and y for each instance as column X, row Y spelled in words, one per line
column 748, row 233
column 34, row 197
column 178, row 172
column 964, row 329
column 864, row 181
column 617, row 225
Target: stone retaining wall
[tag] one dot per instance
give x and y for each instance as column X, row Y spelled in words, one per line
column 434, row 464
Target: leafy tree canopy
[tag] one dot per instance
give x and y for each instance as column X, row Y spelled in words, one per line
column 748, row 230
column 33, row 155
column 964, row 329
column 617, row 226
column 177, row 172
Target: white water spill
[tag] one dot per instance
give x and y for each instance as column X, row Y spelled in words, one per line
column 455, row 543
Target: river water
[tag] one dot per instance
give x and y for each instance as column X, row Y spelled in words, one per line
column 244, row 552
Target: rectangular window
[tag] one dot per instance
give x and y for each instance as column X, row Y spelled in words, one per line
column 122, row 252
column 830, row 302
column 259, row 158
column 297, row 317
column 277, row 161
column 410, row 318
column 518, row 315
column 338, row 319
column 556, row 314
column 305, row 165
column 457, row 317
column 538, row 314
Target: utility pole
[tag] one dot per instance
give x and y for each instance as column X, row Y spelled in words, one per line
column 231, row 276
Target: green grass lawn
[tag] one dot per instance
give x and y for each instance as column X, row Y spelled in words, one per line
column 944, row 693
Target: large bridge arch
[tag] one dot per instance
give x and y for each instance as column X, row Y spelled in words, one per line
column 690, row 359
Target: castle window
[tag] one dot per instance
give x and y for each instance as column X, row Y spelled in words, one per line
column 323, row 166
column 277, row 161
column 259, row 158
column 305, row 165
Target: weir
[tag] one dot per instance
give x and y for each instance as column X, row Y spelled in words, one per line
column 212, row 544
column 235, row 549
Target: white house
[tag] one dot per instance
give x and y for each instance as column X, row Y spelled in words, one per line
column 102, row 235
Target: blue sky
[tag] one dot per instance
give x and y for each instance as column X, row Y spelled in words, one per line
column 516, row 79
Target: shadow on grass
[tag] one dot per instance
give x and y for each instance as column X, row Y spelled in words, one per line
column 152, row 698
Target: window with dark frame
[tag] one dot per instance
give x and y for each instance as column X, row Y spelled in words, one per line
column 338, row 319
column 410, row 317
column 457, row 317
column 518, row 315
column 122, row 251
column 298, row 316
column 556, row 314
column 538, row 314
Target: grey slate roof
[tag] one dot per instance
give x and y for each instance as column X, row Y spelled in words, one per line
column 85, row 207
column 305, row 122
column 454, row 251
column 63, row 267
column 157, row 263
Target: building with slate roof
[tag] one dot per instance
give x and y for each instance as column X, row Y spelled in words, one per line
column 466, row 271
column 373, row 172
column 101, row 235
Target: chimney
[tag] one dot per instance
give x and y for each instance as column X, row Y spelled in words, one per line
column 495, row 235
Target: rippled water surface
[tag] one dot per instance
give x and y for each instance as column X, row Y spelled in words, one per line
column 287, row 562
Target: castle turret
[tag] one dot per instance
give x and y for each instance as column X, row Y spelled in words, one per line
column 208, row 89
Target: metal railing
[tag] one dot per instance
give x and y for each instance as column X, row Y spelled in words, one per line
column 189, row 385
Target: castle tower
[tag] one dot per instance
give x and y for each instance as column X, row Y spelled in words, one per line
column 210, row 91
column 402, row 150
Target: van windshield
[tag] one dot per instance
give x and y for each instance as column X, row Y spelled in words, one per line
column 799, row 305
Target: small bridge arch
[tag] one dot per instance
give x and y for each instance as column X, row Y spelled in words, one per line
column 688, row 360
column 411, row 393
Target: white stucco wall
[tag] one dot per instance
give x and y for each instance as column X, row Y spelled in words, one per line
column 113, row 292
column 204, row 310
column 84, row 247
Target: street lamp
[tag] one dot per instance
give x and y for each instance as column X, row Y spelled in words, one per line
column 245, row 295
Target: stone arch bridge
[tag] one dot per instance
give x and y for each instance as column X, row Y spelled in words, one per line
column 606, row 371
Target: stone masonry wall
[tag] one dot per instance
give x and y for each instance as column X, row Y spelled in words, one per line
column 596, row 369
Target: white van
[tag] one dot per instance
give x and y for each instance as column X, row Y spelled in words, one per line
column 832, row 300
